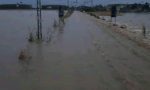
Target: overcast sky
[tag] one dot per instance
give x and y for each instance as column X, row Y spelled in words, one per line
column 80, row 1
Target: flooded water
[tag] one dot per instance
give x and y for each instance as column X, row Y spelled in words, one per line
column 15, row 27
column 135, row 20
column 46, row 69
column 77, row 55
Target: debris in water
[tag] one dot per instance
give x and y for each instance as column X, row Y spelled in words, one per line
column 123, row 26
column 55, row 23
column 24, row 55
column 115, row 24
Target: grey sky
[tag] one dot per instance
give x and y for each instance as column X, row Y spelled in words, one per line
column 80, row 1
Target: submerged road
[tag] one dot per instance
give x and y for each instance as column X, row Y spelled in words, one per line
column 82, row 55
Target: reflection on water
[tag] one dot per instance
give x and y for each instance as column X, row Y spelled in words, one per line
column 25, row 66
column 55, row 34
column 61, row 26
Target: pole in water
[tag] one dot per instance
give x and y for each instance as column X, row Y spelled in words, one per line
column 144, row 30
column 39, row 20
column 113, row 13
column 115, row 20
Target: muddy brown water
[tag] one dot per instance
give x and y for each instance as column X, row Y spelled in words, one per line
column 77, row 55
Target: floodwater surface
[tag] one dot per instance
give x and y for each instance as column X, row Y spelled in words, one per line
column 77, row 55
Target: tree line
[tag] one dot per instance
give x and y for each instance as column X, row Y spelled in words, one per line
column 136, row 7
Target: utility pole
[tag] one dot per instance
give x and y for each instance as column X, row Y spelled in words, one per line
column 39, row 20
